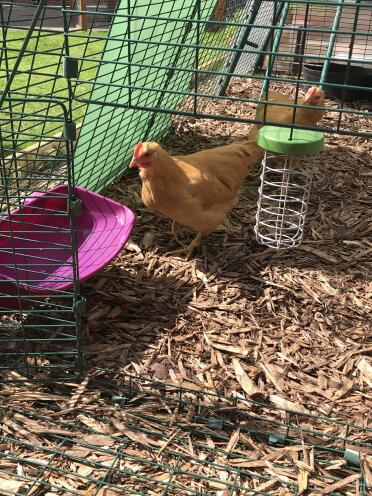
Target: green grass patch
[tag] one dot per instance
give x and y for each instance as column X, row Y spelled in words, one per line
column 220, row 39
column 40, row 75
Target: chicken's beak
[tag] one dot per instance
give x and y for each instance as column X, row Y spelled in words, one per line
column 133, row 162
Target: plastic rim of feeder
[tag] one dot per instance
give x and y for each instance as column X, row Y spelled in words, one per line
column 277, row 140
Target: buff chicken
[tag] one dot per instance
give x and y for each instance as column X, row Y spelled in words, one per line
column 284, row 115
column 196, row 190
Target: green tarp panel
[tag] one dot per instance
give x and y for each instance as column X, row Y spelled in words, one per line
column 109, row 134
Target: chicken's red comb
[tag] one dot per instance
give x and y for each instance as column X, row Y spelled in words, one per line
column 137, row 149
column 312, row 92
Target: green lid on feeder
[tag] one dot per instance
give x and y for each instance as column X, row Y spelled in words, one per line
column 277, row 139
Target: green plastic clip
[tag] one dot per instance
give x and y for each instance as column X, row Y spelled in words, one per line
column 70, row 68
column 74, row 207
column 352, row 457
column 277, row 439
column 120, row 399
column 80, row 307
column 69, row 131
column 215, row 423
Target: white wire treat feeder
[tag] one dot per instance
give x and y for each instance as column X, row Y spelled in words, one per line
column 285, row 187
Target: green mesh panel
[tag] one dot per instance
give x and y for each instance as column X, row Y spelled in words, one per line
column 109, row 134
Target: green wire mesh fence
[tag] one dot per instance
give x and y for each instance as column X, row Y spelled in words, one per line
column 135, row 60
column 150, row 67
column 117, row 434
column 184, row 57
column 40, row 333
column 118, row 72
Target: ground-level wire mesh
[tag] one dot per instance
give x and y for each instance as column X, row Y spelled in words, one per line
column 116, row 434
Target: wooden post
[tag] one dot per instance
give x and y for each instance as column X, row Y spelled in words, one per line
column 219, row 10
column 218, row 15
column 83, row 17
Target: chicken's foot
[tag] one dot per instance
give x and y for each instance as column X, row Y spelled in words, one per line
column 188, row 249
column 175, row 228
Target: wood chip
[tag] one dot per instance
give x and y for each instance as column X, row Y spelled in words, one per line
column 366, row 370
column 98, row 440
column 233, row 441
column 273, row 376
column 288, row 405
column 137, row 437
column 225, row 347
column 318, row 253
column 12, row 486
column 366, row 464
column 339, row 484
column 246, row 383
column 79, row 391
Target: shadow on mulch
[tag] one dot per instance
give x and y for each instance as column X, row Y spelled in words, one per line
column 128, row 311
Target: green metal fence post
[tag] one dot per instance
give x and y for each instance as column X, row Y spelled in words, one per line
column 275, row 47
column 331, row 42
column 240, row 44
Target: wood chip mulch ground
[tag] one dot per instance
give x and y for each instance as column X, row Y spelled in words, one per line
column 292, row 329
column 296, row 322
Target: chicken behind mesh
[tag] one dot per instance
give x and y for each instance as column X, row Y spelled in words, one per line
column 284, row 115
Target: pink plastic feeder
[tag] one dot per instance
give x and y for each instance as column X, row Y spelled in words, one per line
column 35, row 242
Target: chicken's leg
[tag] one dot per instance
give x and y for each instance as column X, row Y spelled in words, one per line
column 175, row 226
column 189, row 248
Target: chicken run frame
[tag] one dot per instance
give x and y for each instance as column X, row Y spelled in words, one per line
column 73, row 105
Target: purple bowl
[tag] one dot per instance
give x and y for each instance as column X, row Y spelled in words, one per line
column 38, row 255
